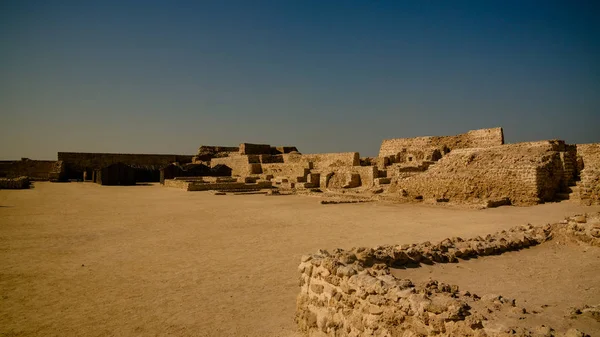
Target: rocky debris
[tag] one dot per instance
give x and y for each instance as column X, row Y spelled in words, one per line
column 451, row 249
column 492, row 203
column 587, row 310
column 377, row 191
column 353, row 293
column 581, row 228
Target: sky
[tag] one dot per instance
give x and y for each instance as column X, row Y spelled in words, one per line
column 325, row 76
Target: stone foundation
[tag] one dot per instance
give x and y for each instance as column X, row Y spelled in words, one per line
column 352, row 293
column 200, row 185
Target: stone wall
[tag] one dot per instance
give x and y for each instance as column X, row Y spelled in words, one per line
column 324, row 160
column 474, row 138
column 14, row 183
column 240, row 165
column 177, row 183
column 76, row 163
column 286, row 170
column 526, row 173
column 353, row 293
column 347, row 176
column 589, row 155
column 207, row 152
column 34, row 169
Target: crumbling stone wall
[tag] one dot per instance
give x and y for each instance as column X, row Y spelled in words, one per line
column 207, row 152
column 526, row 173
column 347, row 176
column 353, row 293
column 589, row 155
column 324, row 160
column 18, row 183
column 286, row 170
column 34, row 169
column 241, row 165
column 57, row 172
column 569, row 161
column 471, row 139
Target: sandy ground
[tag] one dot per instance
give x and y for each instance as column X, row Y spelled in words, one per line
column 79, row 259
column 546, row 280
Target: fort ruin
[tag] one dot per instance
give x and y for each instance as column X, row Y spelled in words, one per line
column 377, row 291
column 474, row 168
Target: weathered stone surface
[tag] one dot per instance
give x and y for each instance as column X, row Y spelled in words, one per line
column 364, row 299
column 14, row 183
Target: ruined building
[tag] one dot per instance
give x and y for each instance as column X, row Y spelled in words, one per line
column 473, row 168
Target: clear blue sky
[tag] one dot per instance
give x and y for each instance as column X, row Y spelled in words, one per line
column 325, row 76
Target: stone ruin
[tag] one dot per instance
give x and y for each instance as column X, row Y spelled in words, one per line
column 40, row 170
column 261, row 166
column 353, row 292
column 474, row 168
column 18, row 183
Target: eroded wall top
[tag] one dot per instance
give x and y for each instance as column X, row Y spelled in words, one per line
column 471, row 139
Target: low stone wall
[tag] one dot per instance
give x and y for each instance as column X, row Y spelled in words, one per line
column 324, row 160
column 176, row 183
column 590, row 173
column 229, row 186
column 195, row 185
column 526, row 173
column 14, row 183
column 352, row 293
column 471, row 139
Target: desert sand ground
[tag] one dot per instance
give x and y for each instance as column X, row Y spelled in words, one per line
column 79, row 259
